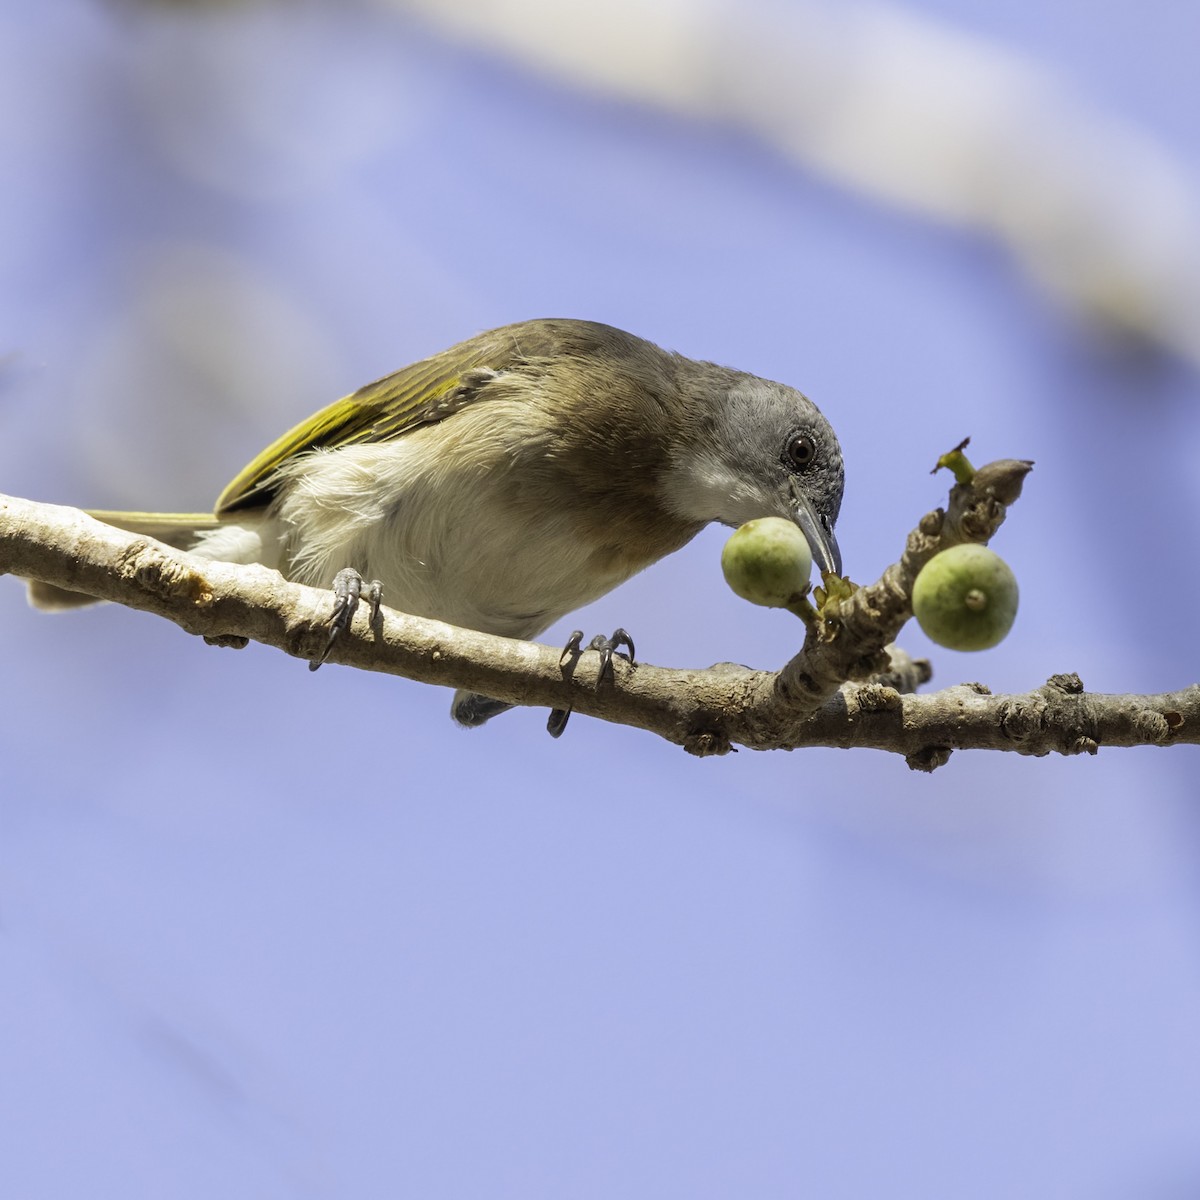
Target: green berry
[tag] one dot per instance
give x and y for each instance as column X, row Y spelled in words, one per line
column 965, row 598
column 768, row 562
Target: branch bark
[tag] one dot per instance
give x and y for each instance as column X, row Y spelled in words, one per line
column 847, row 687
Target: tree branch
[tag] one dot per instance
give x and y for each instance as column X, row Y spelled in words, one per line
column 818, row 698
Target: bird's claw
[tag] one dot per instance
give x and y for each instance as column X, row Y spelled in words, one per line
column 348, row 590
column 557, row 721
column 606, row 647
column 573, row 648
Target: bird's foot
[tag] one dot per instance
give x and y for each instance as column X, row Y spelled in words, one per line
column 472, row 710
column 349, row 588
column 607, row 647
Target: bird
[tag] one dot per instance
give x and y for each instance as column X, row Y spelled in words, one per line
column 505, row 482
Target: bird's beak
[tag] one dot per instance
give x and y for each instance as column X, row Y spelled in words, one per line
column 819, row 533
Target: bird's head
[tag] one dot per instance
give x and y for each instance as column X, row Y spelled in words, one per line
column 752, row 448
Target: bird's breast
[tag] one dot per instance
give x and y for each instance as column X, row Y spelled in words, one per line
column 469, row 522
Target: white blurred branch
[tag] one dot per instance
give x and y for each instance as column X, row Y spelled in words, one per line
column 895, row 105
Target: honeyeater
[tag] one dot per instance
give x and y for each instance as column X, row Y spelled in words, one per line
column 514, row 477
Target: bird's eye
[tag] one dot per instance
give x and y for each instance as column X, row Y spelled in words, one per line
column 800, row 452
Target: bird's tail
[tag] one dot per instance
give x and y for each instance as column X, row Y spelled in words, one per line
column 176, row 529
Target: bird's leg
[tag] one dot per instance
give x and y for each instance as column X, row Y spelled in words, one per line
column 348, row 588
column 557, row 721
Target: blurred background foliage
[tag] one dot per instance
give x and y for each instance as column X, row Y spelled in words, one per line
column 267, row 934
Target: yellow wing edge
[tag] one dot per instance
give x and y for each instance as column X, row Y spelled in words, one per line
column 380, row 411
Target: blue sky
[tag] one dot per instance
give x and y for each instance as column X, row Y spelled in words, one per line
column 265, row 933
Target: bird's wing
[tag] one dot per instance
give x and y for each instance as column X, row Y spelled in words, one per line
column 419, row 394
